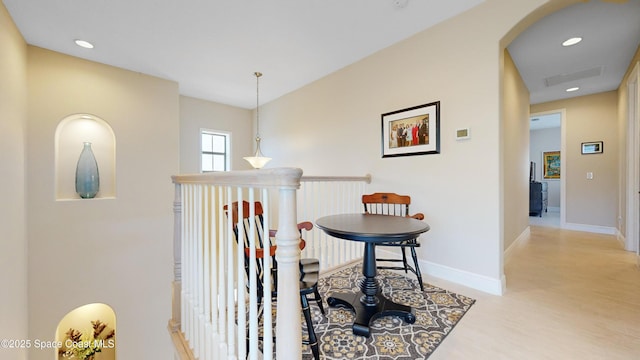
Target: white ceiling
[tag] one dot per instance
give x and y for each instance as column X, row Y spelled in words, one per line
column 611, row 34
column 213, row 47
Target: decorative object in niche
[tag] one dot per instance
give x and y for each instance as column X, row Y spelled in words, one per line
column 85, row 346
column 592, row 147
column 87, row 175
column 411, row 131
column 70, row 133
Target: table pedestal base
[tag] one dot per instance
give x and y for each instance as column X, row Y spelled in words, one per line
column 365, row 313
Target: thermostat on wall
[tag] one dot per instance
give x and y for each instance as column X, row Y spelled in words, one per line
column 463, row 134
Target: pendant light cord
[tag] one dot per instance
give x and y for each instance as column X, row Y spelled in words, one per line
column 258, row 74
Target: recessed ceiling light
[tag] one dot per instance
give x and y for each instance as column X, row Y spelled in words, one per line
column 572, row 41
column 573, row 89
column 400, row 3
column 84, row 44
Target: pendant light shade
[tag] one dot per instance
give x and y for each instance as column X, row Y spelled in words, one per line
column 257, row 160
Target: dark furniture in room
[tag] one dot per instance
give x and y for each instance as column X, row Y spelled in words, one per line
column 537, row 198
column 370, row 304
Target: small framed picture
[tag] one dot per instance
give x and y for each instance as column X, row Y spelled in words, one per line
column 411, row 131
column 592, row 147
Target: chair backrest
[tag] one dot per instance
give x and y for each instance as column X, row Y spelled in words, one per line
column 388, row 204
column 262, row 242
column 246, row 224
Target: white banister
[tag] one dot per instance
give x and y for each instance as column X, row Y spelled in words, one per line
column 176, row 285
column 211, row 303
column 326, row 195
column 288, row 257
column 215, row 308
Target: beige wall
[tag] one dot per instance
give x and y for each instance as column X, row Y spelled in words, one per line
column 329, row 127
column 115, row 251
column 196, row 114
column 332, row 126
column 589, row 118
column 13, row 236
column 515, row 141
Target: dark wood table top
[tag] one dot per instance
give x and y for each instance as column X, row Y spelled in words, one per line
column 372, row 228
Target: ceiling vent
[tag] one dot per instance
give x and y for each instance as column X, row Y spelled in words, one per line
column 560, row 79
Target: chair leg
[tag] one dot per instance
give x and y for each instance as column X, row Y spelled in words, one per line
column 313, row 341
column 318, row 299
column 417, row 267
column 404, row 259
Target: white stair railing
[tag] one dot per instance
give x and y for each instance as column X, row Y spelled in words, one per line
column 327, row 195
column 210, row 300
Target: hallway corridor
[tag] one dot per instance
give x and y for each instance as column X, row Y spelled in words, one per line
column 570, row 295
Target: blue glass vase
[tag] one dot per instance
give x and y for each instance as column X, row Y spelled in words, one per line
column 87, row 177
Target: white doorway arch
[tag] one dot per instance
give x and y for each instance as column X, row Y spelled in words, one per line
column 632, row 218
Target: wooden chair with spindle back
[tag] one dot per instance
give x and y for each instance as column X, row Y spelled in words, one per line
column 309, row 268
column 395, row 205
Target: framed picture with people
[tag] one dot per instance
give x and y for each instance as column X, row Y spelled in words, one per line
column 411, row 131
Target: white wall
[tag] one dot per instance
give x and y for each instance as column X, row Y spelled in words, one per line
column 197, row 114
column 623, row 113
column 13, row 219
column 332, row 126
column 114, row 251
column 541, row 141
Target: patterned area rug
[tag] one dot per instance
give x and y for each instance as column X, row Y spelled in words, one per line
column 437, row 312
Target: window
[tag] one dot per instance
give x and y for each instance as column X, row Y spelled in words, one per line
column 215, row 148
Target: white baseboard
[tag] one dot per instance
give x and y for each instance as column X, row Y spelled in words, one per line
column 590, row 228
column 475, row 281
column 524, row 236
column 621, row 238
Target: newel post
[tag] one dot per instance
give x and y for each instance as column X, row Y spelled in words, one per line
column 176, row 285
column 288, row 328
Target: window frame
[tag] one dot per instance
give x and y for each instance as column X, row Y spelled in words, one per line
column 226, row 154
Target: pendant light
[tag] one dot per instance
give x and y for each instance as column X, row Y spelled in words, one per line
column 257, row 160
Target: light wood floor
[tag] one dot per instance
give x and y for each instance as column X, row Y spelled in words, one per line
column 570, row 295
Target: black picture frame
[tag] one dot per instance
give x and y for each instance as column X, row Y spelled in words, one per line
column 411, row 131
column 592, row 147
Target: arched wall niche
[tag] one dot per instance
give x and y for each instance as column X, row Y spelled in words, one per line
column 71, row 133
column 80, row 319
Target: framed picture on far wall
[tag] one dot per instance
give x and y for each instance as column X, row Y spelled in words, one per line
column 551, row 163
column 593, row 147
column 411, row 131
